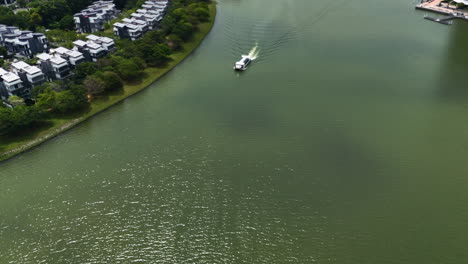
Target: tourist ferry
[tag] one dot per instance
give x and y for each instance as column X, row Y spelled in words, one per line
column 243, row 63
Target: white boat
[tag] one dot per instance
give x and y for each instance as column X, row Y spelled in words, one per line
column 243, row 63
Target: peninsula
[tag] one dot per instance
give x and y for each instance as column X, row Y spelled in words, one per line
column 145, row 50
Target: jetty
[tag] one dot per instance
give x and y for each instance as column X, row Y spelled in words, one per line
column 445, row 21
column 438, row 7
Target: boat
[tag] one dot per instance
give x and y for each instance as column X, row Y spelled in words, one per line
column 243, row 63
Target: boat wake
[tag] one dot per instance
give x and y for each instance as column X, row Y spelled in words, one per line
column 254, row 52
column 270, row 35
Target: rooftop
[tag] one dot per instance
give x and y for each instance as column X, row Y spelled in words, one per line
column 80, row 43
column 21, row 65
column 57, row 60
column 10, row 77
column 2, row 72
column 43, row 56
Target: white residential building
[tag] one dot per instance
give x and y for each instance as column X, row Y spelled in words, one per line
column 22, row 43
column 130, row 31
column 93, row 18
column 54, row 66
column 30, row 75
column 91, row 50
column 106, row 42
column 144, row 19
column 11, row 84
column 72, row 56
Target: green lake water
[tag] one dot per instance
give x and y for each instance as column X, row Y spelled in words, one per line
column 346, row 141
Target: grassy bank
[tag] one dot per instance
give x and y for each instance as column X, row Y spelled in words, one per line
column 15, row 144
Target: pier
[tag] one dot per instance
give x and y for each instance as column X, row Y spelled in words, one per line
column 436, row 6
column 445, row 21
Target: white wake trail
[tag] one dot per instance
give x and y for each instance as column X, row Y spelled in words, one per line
column 254, row 52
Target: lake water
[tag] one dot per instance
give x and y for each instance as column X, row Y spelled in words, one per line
column 346, row 141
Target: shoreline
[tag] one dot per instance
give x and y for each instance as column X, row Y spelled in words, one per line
column 153, row 75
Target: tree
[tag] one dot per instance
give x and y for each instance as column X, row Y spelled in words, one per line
column 202, row 14
column 184, row 30
column 128, row 70
column 39, row 89
column 77, row 5
column 85, row 69
column 22, row 3
column 111, row 80
column 79, row 93
column 67, row 22
column 67, row 102
column 15, row 100
column 154, row 36
column 46, row 99
column 6, row 122
column 35, row 19
column 105, row 64
column 174, row 42
column 179, row 14
column 51, row 11
column 152, row 52
column 94, row 85
column 18, row 118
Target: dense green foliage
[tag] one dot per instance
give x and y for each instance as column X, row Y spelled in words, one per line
column 20, row 117
column 92, row 80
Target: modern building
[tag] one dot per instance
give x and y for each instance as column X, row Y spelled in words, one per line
column 127, row 30
column 30, row 75
column 73, row 57
column 93, row 18
column 106, row 42
column 144, row 19
column 91, row 50
column 54, row 66
column 22, row 43
column 151, row 19
column 11, row 84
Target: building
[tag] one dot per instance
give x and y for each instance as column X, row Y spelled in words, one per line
column 54, row 66
column 93, row 18
column 30, row 75
column 73, row 57
column 7, row 2
column 127, row 30
column 150, row 17
column 22, row 43
column 146, row 18
column 11, row 84
column 106, row 42
column 91, row 50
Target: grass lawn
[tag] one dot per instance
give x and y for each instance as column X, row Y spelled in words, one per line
column 15, row 144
